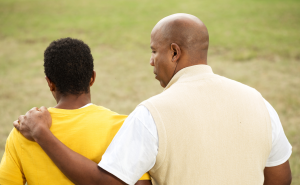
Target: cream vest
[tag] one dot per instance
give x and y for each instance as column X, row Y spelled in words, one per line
column 212, row 131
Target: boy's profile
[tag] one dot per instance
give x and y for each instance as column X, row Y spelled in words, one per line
column 82, row 126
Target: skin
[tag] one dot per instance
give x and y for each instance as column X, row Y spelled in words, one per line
column 62, row 156
column 177, row 41
column 278, row 175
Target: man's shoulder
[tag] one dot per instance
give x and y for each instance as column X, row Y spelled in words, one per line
column 218, row 84
column 225, row 82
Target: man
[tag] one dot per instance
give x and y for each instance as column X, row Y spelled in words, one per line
column 202, row 129
column 83, row 127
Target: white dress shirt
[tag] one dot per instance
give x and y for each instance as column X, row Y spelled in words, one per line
column 134, row 148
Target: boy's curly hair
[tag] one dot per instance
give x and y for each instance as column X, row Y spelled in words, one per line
column 68, row 63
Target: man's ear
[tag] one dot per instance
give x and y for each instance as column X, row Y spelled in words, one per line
column 176, row 52
column 50, row 84
column 93, row 78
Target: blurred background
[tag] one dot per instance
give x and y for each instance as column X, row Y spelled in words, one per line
column 255, row 42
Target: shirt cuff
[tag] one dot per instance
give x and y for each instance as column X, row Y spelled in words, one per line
column 115, row 173
column 281, row 161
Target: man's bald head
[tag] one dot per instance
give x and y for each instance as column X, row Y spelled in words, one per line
column 187, row 31
column 177, row 41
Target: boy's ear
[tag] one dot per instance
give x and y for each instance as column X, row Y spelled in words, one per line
column 50, row 84
column 93, row 78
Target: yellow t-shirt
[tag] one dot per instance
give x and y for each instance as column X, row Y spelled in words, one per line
column 87, row 131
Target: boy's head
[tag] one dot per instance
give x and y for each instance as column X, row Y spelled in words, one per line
column 68, row 65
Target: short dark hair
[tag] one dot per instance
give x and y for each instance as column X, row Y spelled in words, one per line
column 68, row 63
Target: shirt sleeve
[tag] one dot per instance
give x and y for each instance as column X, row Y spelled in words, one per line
column 133, row 150
column 281, row 148
column 10, row 169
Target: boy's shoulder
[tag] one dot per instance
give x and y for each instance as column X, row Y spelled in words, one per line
column 103, row 111
column 88, row 109
column 92, row 113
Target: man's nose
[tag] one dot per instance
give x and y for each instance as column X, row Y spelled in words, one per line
column 151, row 62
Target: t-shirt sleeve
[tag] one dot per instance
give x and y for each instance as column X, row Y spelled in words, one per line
column 10, row 169
column 133, row 150
column 281, row 148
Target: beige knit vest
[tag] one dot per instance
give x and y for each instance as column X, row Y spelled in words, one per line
column 212, row 131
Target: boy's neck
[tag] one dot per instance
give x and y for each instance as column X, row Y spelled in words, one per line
column 73, row 101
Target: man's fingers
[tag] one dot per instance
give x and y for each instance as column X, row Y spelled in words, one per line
column 32, row 111
column 43, row 109
column 16, row 125
column 21, row 118
column 34, row 108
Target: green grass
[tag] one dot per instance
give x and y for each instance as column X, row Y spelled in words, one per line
column 254, row 42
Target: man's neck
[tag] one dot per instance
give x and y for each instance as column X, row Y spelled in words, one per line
column 73, row 101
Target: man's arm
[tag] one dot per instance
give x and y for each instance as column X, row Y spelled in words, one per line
column 277, row 170
column 278, row 175
column 76, row 167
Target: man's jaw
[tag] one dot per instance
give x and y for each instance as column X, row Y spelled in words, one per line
column 157, row 78
column 154, row 72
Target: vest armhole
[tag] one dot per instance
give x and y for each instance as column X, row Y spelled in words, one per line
column 162, row 135
column 269, row 126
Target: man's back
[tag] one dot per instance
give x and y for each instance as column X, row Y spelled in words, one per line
column 87, row 131
column 211, row 129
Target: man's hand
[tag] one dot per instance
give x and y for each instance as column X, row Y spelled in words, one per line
column 33, row 122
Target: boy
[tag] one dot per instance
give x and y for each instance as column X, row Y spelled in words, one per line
column 80, row 125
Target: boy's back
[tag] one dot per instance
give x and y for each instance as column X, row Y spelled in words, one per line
column 87, row 131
